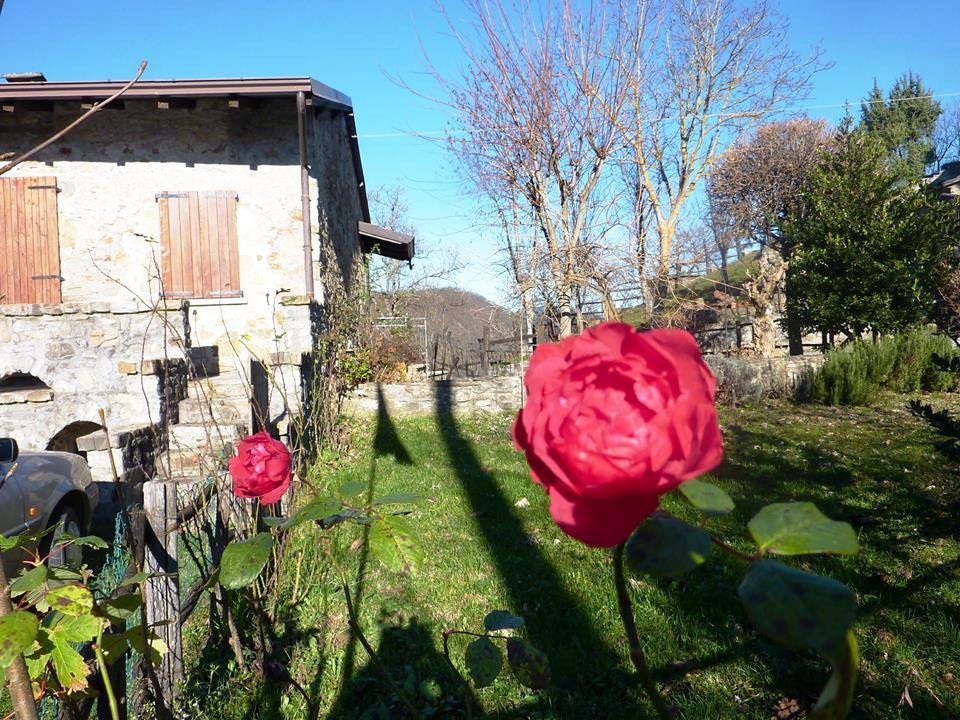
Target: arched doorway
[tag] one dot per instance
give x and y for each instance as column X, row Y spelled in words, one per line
column 66, row 439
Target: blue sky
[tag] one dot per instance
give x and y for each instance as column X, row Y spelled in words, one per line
column 355, row 47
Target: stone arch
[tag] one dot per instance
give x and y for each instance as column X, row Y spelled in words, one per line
column 66, row 439
column 19, row 381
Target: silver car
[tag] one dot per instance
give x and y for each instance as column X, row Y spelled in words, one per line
column 41, row 490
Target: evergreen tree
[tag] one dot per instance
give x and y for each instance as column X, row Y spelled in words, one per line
column 904, row 123
column 869, row 251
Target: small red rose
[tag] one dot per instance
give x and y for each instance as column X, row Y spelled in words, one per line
column 261, row 468
column 615, row 418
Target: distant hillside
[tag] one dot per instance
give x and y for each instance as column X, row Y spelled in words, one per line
column 462, row 314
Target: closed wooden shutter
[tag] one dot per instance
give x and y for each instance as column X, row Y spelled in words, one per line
column 198, row 235
column 29, row 241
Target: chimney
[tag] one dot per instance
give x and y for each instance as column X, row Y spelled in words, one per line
column 25, row 77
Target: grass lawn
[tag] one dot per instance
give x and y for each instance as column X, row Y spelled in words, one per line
column 489, row 543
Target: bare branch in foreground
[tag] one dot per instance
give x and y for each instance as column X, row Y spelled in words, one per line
column 97, row 107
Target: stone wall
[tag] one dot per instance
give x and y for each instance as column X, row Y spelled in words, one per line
column 741, row 379
column 738, row 380
column 90, row 356
column 499, row 394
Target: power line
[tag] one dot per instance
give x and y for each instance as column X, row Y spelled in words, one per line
column 803, row 108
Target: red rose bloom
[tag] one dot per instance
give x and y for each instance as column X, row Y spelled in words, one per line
column 261, row 468
column 615, row 418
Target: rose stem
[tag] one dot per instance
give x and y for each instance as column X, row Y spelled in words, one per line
column 629, row 625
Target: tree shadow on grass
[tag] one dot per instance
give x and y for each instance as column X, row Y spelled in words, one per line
column 589, row 678
column 418, row 669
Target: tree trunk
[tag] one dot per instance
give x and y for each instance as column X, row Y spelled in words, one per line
column 794, row 330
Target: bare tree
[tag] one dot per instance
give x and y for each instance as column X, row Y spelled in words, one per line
column 946, row 136
column 712, row 69
column 394, row 283
column 533, row 112
column 758, row 184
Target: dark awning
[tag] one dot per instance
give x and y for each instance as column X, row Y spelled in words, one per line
column 380, row 240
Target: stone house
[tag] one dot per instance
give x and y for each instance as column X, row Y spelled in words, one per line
column 172, row 260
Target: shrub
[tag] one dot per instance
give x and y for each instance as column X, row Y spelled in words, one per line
column 855, row 374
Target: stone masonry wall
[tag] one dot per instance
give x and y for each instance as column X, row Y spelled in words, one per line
column 499, row 394
column 109, row 171
column 111, row 168
column 91, row 356
column 738, row 379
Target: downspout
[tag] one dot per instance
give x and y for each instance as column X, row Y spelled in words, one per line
column 305, row 194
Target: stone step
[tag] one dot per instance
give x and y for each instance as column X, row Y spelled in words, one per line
column 219, row 410
column 204, row 436
column 192, row 463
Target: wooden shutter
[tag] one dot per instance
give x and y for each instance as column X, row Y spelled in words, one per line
column 29, row 241
column 198, row 235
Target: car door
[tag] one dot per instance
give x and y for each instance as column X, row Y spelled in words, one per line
column 11, row 514
column 11, row 501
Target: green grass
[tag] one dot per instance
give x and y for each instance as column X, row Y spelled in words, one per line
column 489, row 543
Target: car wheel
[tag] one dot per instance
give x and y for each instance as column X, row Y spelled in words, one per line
column 66, row 522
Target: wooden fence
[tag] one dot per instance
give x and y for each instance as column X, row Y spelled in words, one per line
column 487, row 358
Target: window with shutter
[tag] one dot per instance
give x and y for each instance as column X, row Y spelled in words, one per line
column 29, row 241
column 198, row 236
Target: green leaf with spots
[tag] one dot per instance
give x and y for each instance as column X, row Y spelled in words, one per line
column 530, row 666
column 502, row 620
column 395, row 544
column 666, row 547
column 707, row 498
column 243, row 561
column 801, row 529
column 67, row 599
column 68, row 665
column 798, row 609
column 836, row 700
column 28, row 581
column 18, row 631
column 484, row 661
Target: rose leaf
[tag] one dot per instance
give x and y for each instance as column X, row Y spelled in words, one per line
column 800, row 528
column 706, row 497
column 666, row 547
column 530, row 666
column 798, row 609
column 484, row 661
column 243, row 561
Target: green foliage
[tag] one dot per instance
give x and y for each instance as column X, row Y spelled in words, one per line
column 707, row 498
column 868, row 253
column 18, row 630
column 904, row 124
column 394, row 543
column 799, row 528
column 836, row 700
column 530, row 666
column 855, row 374
column 244, row 560
column 798, row 609
column 484, row 661
column 666, row 547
